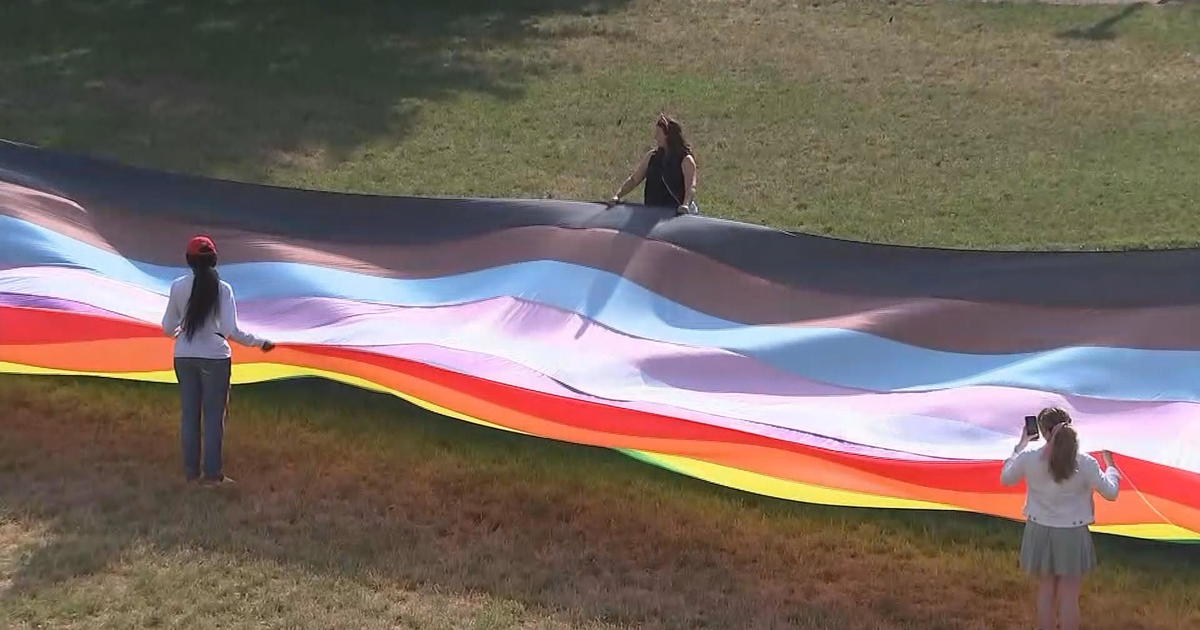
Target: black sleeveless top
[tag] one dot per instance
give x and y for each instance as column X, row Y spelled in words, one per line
column 664, row 167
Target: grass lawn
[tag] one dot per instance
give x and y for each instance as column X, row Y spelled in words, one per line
column 942, row 123
column 355, row 511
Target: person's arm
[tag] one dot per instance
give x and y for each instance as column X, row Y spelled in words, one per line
column 689, row 182
column 173, row 316
column 229, row 324
column 636, row 177
column 1014, row 467
column 1107, row 483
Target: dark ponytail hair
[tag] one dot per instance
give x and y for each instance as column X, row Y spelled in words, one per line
column 1061, row 442
column 677, row 145
column 202, row 303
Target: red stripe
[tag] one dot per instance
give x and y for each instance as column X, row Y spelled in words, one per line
column 21, row 325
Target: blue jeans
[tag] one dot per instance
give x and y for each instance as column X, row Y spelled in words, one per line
column 204, row 390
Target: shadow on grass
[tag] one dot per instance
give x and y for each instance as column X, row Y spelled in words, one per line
column 1103, row 30
column 335, row 480
column 236, row 85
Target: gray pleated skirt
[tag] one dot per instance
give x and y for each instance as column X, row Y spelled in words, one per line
column 1065, row 551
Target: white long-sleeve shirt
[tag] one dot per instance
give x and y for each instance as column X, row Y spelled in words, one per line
column 1054, row 504
column 209, row 340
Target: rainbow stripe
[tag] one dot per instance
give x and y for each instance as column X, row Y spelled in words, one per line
column 787, row 365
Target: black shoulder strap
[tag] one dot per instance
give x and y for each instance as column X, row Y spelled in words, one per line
column 662, row 174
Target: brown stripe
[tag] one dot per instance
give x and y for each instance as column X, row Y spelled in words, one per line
column 692, row 279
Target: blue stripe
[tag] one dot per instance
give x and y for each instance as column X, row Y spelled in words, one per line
column 831, row 355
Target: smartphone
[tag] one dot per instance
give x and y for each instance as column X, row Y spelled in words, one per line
column 1031, row 427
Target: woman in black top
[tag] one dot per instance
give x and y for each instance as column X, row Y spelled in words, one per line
column 669, row 170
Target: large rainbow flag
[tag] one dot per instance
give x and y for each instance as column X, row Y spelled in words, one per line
column 788, row 365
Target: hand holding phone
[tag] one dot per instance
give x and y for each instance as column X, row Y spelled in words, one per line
column 1031, row 428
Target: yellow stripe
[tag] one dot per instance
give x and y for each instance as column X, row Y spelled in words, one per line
column 1152, row 531
column 781, row 488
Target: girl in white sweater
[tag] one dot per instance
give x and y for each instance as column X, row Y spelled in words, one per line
column 201, row 315
column 1057, row 545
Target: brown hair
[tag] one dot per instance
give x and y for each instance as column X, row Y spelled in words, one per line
column 676, row 143
column 1061, row 442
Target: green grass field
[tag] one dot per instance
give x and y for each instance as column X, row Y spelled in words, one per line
column 944, row 123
